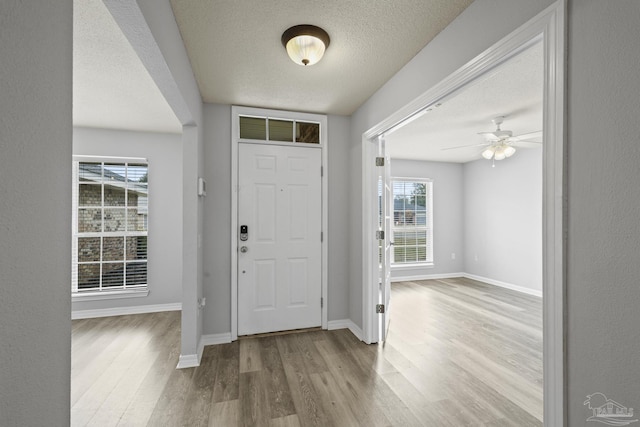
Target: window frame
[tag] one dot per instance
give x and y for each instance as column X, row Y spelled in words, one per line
column 427, row 227
column 100, row 292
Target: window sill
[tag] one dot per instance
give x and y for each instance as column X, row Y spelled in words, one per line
column 412, row 266
column 103, row 295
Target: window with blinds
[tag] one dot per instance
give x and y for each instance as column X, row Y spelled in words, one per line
column 110, row 226
column 412, row 221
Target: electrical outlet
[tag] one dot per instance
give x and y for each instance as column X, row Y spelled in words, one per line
column 453, row 255
column 475, row 257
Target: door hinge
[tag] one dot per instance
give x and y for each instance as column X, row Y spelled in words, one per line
column 322, row 236
column 380, row 234
column 380, row 308
column 321, row 170
column 379, row 161
column 321, row 302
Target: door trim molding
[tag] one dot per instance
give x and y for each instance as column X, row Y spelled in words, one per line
column 548, row 27
column 323, row 146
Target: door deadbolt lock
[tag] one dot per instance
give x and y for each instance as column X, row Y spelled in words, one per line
column 244, row 233
column 244, row 249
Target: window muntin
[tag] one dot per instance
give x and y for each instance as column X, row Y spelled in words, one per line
column 412, row 221
column 279, row 130
column 110, row 217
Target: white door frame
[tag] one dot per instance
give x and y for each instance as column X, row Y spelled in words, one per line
column 237, row 111
column 548, row 27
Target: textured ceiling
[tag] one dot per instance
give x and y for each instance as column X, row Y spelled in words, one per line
column 236, row 54
column 514, row 90
column 111, row 87
column 237, row 57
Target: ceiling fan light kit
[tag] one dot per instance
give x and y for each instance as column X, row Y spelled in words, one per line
column 499, row 151
column 500, row 143
column 305, row 44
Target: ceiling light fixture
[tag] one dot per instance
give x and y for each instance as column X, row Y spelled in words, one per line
column 305, row 44
column 498, row 151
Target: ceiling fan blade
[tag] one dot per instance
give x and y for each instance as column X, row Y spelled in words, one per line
column 537, row 135
column 489, row 135
column 526, row 144
column 484, row 144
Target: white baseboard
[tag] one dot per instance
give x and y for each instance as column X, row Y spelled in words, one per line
column 191, row 360
column 426, row 277
column 346, row 324
column 214, row 339
column 121, row 311
column 188, row 361
column 529, row 291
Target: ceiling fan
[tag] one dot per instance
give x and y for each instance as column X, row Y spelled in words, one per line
column 501, row 144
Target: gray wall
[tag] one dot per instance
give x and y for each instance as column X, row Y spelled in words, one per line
column 217, row 219
column 603, row 265
column 338, row 174
column 603, row 236
column 164, row 153
column 448, row 209
column 172, row 72
column 476, row 29
column 35, row 212
column 503, row 219
column 217, row 232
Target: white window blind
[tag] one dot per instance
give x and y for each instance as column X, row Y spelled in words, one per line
column 412, row 221
column 110, row 217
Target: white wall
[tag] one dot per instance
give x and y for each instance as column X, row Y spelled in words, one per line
column 217, row 232
column 35, row 212
column 476, row 29
column 603, row 242
column 151, row 28
column 164, row 153
column 503, row 219
column 448, row 208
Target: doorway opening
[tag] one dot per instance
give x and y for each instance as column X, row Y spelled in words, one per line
column 278, row 163
column 547, row 28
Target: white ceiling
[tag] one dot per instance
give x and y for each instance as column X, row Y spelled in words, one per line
column 237, row 57
column 514, row 90
column 111, row 87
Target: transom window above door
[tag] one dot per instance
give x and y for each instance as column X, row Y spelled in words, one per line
column 279, row 130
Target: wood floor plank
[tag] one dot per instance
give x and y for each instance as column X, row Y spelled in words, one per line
column 250, row 359
column 169, row 409
column 336, row 404
column 226, row 385
column 280, row 402
column 288, row 421
column 224, row 414
column 304, row 395
column 253, row 404
column 458, row 353
column 198, row 401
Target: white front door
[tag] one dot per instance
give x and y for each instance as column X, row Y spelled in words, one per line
column 280, row 255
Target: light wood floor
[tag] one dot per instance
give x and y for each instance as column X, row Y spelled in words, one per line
column 459, row 353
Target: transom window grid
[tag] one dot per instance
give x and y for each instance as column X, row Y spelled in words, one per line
column 270, row 129
column 110, row 224
column 412, row 221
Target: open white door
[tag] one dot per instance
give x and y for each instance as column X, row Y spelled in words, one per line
column 385, row 216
